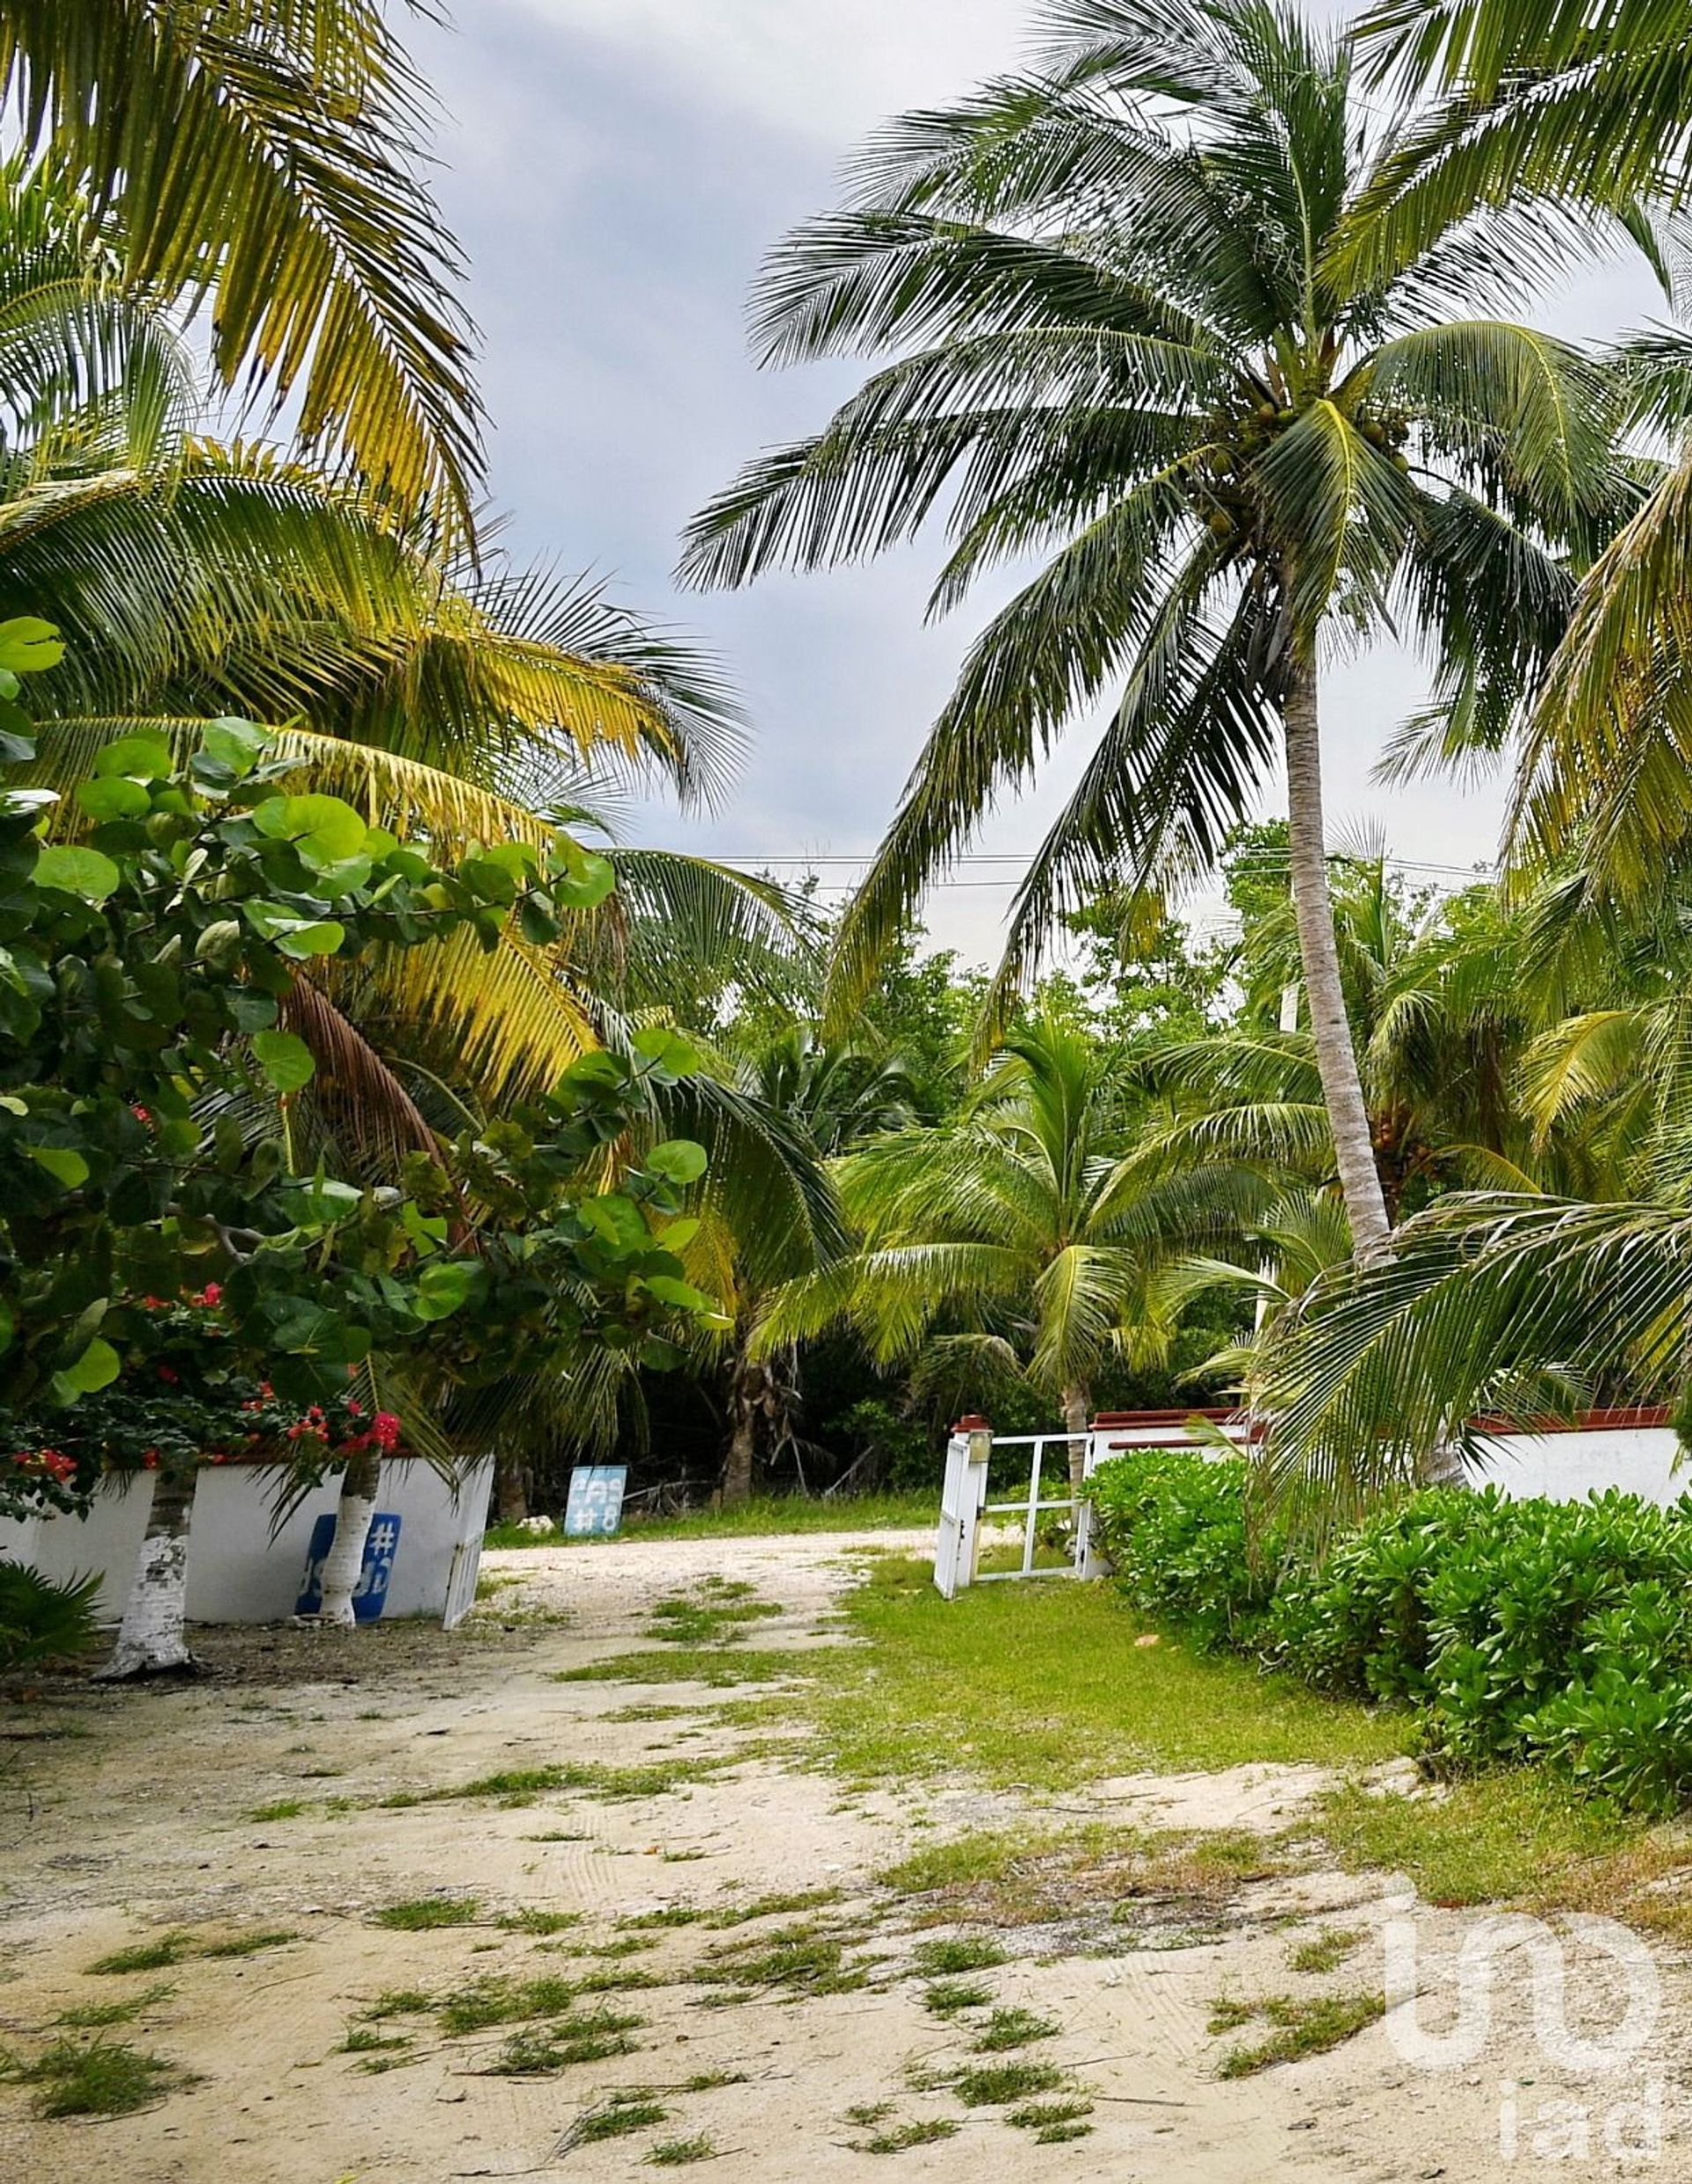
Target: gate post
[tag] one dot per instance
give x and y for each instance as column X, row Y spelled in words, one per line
column 958, row 1544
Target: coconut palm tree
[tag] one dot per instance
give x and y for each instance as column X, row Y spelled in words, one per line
column 265, row 159
column 1023, row 1220
column 1121, row 346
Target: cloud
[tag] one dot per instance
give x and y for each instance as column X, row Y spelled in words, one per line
column 830, row 69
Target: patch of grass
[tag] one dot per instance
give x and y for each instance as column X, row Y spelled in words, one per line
column 1048, row 2115
column 911, row 1703
column 652, row 1713
column 1302, row 2028
column 618, row 2119
column 947, row 1997
column 93, row 2078
column 695, row 1666
column 248, row 1944
column 521, row 1786
column 772, row 1906
column 533, row 1921
column 99, row 2015
column 670, row 1914
column 628, row 1946
column 398, row 2002
column 152, row 1956
column 1014, row 2028
column 423, row 1914
column 902, row 2137
column 1515, row 1835
column 868, row 2111
column 710, row 1616
column 1326, row 1951
column 961, row 1952
column 675, row 2153
column 500, row 2001
column 629, row 1981
column 560, row 1835
column 766, row 1516
column 540, row 2050
column 363, row 2039
column 803, row 1960
column 996, row 2084
column 1059, row 2133
column 708, row 2081
column 284, row 1808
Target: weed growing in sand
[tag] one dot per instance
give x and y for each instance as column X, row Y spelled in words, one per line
column 248, row 1944
column 521, row 1786
column 500, row 2001
column 710, row 2080
column 902, row 2137
column 619, row 1983
column 617, row 2120
column 962, row 1953
column 675, row 2153
column 533, row 1921
column 99, row 2015
column 627, row 1946
column 714, row 1615
column 652, row 1713
column 423, row 1914
column 802, row 1959
column 1301, row 2028
column 1327, row 1950
column 1014, row 2028
column 152, row 1956
column 540, row 2050
column 284, row 1808
column 868, row 2111
column 1046, row 2116
column 93, row 2078
column 995, row 2085
column 398, row 2002
column 693, row 1666
column 773, row 1907
column 363, row 2039
column 669, row 1914
column 947, row 1997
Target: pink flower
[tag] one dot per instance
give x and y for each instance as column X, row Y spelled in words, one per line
column 385, row 1430
column 212, row 1295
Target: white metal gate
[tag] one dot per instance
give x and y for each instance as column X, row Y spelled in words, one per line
column 964, row 1504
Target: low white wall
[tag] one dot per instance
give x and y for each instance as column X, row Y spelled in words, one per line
column 1568, row 1467
column 236, row 1572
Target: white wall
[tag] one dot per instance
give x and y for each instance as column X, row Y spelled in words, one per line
column 236, row 1572
column 1568, row 1467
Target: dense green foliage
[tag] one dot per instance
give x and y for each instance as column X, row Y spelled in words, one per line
column 1515, row 1630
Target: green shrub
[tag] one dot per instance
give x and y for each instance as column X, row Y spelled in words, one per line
column 1516, row 1630
column 42, row 1619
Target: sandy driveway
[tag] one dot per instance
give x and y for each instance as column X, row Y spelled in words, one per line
column 251, row 1804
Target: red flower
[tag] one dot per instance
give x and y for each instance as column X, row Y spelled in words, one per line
column 169, row 1373
column 141, row 1114
column 150, row 1461
column 212, row 1296
column 385, row 1430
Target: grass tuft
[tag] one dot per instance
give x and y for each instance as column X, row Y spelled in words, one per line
column 1014, row 2028
column 1326, row 1951
column 902, row 2137
column 947, row 1997
column 99, row 2015
column 423, row 1914
column 961, row 1952
column 994, row 2084
column 540, row 2050
column 1301, row 2028
column 153, row 1955
column 675, row 2153
column 93, row 2078
column 618, row 2119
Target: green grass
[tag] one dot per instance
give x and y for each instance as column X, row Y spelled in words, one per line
column 531, row 1922
column 423, row 1914
column 618, row 2119
column 284, row 1808
column 152, row 1956
column 962, row 1953
column 248, row 1944
column 947, row 1997
column 100, row 2015
column 1007, row 2029
column 710, row 2080
column 868, row 2112
column 801, row 1959
column 1327, row 1950
column 1301, row 2028
column 521, row 1786
column 996, row 2084
column 675, row 2153
column 540, row 2050
column 694, row 1665
column 398, row 2002
column 363, row 2039
column 1068, row 1696
column 500, row 2001
column 711, row 1615
column 1044, row 2116
column 902, row 2137
column 768, row 1516
column 92, row 2078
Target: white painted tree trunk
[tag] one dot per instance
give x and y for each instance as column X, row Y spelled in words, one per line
column 359, row 1486
column 152, row 1640
column 1336, row 1057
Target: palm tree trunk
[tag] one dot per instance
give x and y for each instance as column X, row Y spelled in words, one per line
column 746, row 1399
column 343, row 1563
column 1077, row 1416
column 510, row 1488
column 150, row 1639
column 1336, row 1058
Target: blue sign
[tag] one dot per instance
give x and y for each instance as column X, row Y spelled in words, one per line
column 595, row 1508
column 371, row 1591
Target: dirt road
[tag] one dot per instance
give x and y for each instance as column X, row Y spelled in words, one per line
column 674, row 1950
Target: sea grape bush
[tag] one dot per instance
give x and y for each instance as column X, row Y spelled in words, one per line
column 1516, row 1630
column 145, row 964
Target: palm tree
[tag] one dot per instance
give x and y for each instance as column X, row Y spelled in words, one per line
column 1023, row 1220
column 265, row 162
column 1124, row 343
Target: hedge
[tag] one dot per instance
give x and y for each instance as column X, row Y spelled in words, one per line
column 1516, row 1630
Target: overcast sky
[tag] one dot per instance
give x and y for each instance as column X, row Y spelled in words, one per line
column 615, row 169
